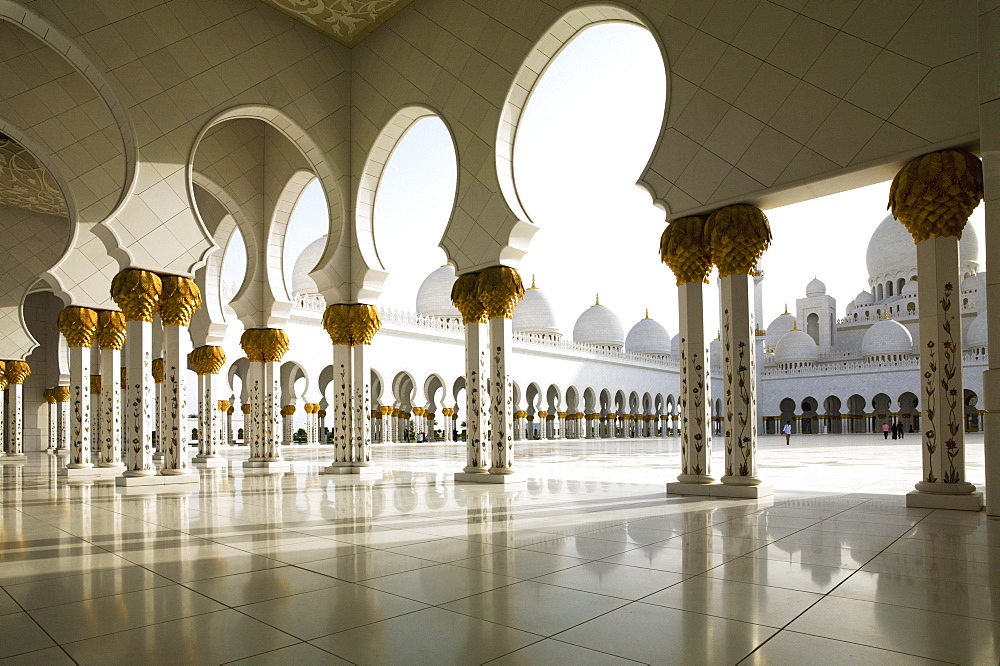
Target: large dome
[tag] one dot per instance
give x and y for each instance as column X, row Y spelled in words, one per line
column 648, row 337
column 301, row 282
column 675, row 346
column 534, row 313
column 599, row 326
column 891, row 251
column 796, row 346
column 434, row 295
column 782, row 324
column 978, row 335
column 886, row 337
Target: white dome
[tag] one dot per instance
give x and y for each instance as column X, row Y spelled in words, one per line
column 675, row 346
column 886, row 337
column 599, row 326
column 310, row 256
column 782, row 324
column 647, row 337
column 796, row 346
column 891, row 251
column 816, row 287
column 910, row 288
column 534, row 314
column 978, row 335
column 434, row 295
column 864, row 298
column 970, row 283
column 715, row 353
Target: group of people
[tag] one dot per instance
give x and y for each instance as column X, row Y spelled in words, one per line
column 896, row 429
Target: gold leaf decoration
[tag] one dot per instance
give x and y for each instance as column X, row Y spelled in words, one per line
column 18, row 371
column 500, row 290
column 61, row 393
column 158, row 373
column 137, row 293
column 934, row 194
column 465, row 296
column 684, row 249
column 264, row 345
column 207, row 359
column 288, row 410
column 78, row 325
column 3, row 378
column 337, row 322
column 245, row 408
column 179, row 300
column 110, row 329
column 364, row 323
column 737, row 238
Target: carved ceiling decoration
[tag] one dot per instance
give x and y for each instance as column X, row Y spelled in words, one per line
column 24, row 183
column 347, row 21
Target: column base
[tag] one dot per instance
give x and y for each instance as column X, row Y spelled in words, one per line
column 270, row 465
column 13, row 458
column 79, row 466
column 117, row 466
column 502, row 479
column 740, row 480
column 700, row 479
column 352, row 469
column 157, row 480
column 158, row 456
column 90, row 472
column 719, row 490
column 209, row 461
column 921, row 500
column 177, row 472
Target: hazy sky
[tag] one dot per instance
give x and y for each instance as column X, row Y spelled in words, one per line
column 585, row 136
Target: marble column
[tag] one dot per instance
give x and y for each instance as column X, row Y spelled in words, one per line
column 386, row 413
column 321, row 426
column 79, row 327
column 16, row 372
column 111, row 340
column 989, row 121
column 246, row 408
column 543, row 424
column 159, row 410
column 933, row 196
column 207, row 361
column 180, row 299
column 95, row 413
column 465, row 296
column 61, row 394
column 264, row 348
column 53, row 420
column 684, row 248
column 225, row 422
column 287, row 424
column 562, row 425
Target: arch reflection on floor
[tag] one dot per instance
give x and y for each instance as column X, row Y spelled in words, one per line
column 589, row 561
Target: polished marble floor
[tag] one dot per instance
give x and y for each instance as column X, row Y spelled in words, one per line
column 587, row 562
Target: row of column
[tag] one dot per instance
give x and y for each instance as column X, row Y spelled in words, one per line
column 12, row 376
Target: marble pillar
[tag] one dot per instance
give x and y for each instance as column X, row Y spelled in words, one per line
column 264, row 347
column 111, row 340
column 53, row 420
column 180, row 299
column 79, row 327
column 465, row 296
column 15, row 373
column 207, row 361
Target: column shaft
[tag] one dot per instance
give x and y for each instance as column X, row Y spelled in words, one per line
column 79, row 390
column 739, row 380
column 343, row 371
column 138, row 439
column 501, row 397
column 111, row 409
column 361, row 405
column 175, row 351
column 695, row 395
column 477, row 410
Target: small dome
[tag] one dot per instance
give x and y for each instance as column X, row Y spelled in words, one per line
column 978, row 335
column 599, row 326
column 796, row 346
column 970, row 283
column 782, row 324
column 715, row 353
column 534, row 313
column 648, row 337
column 675, row 346
column 310, row 256
column 816, row 287
column 434, row 294
column 909, row 289
column 886, row 337
column 864, row 298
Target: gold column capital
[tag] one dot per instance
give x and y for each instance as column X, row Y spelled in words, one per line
column 158, row 372
column 207, row 359
column 223, row 406
column 684, row 249
column 934, row 194
column 179, row 300
column 561, row 415
column 95, row 384
column 110, row 329
column 245, row 408
column 3, row 375
column 49, row 397
column 500, row 290
column 321, row 413
column 137, row 293
column 543, row 414
column 231, row 409
column 78, row 325
column 385, row 411
column 288, row 410
column 264, row 345
column 61, row 393
column 337, row 322
column 17, row 371
column 465, row 297
column 737, row 238
column 364, row 322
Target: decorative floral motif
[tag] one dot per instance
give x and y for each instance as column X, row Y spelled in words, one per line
column 740, row 377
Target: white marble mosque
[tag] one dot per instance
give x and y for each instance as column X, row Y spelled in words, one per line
column 592, row 494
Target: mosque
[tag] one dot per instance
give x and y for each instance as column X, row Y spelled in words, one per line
column 139, row 137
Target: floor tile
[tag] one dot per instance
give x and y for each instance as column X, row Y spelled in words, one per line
column 53, row 563
column 446, row 550
column 430, row 636
column 440, row 583
column 844, row 526
column 613, row 580
column 581, row 547
column 213, row 638
column 658, row 635
column 936, row 549
column 314, row 614
column 254, row 586
column 759, row 604
column 519, row 563
column 951, row 638
column 789, row 647
column 68, row 589
column 21, row 634
column 52, row 656
column 961, row 598
column 816, row 537
column 8, row 605
column 365, row 566
column 536, row 607
column 96, row 617
column 805, row 553
column 937, row 568
column 551, row 651
column 690, row 562
column 309, row 550
column 710, row 543
column 302, row 654
column 791, row 575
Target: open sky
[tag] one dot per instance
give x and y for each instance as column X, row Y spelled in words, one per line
column 586, row 134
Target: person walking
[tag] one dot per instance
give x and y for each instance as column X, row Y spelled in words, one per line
column 885, row 431
column 895, row 430
column 787, row 430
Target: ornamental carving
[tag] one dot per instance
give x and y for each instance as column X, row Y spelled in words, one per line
column 245, row 408
column 347, row 21
column 684, row 249
column 17, row 372
column 110, row 329
column 500, row 290
column 61, row 393
column 264, row 345
column 934, row 194
column 78, row 326
column 24, row 183
column 49, row 397
column 3, row 376
column 158, row 370
column 465, row 297
column 351, row 325
column 207, row 360
column 137, row 293
column 223, row 406
column 288, row 410
column 179, row 300
column 95, row 385
column 737, row 238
